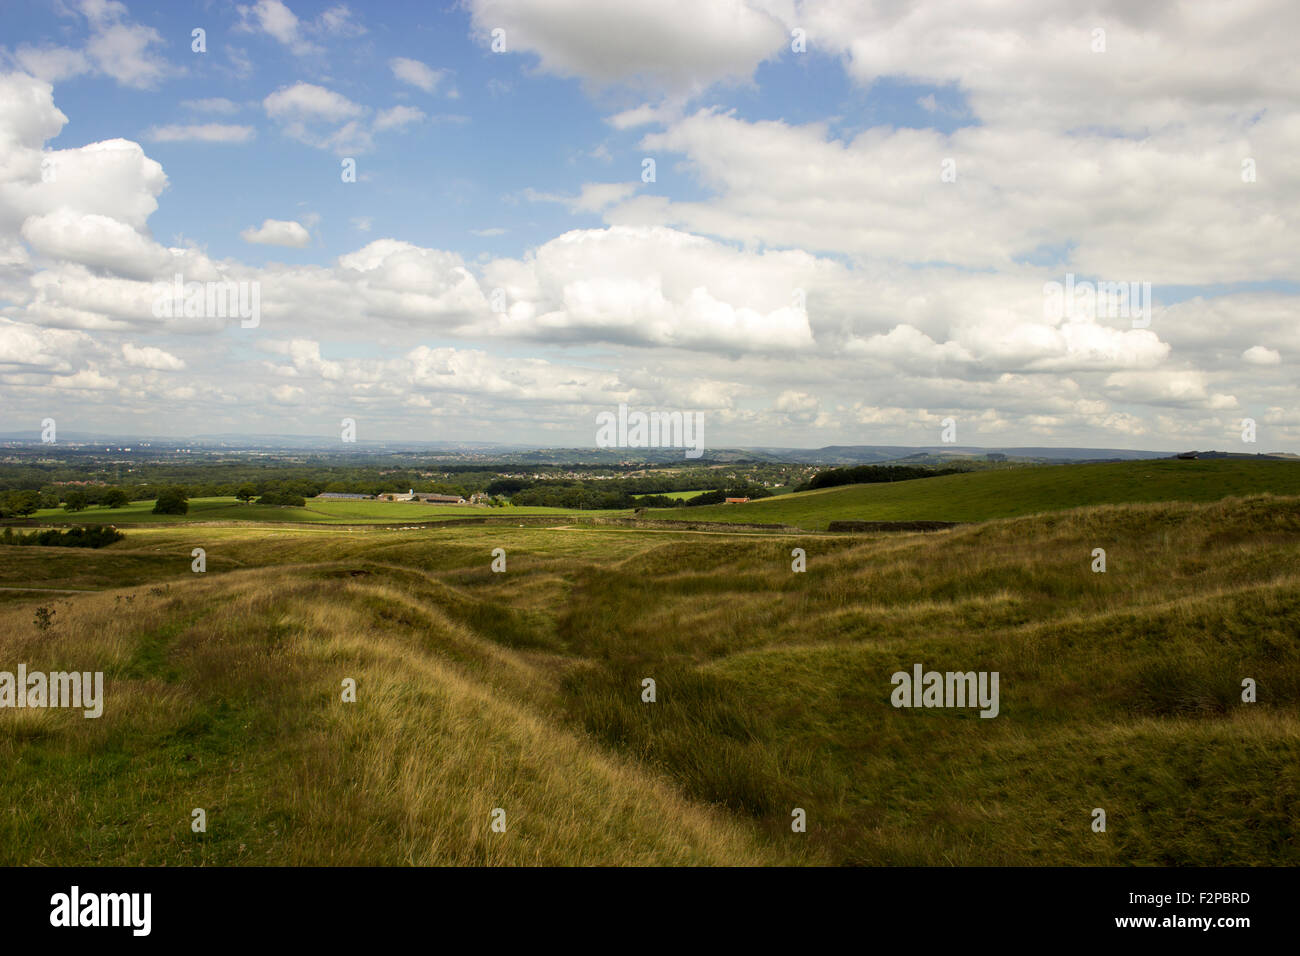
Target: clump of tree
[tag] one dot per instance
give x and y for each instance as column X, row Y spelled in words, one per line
column 74, row 501
column 172, row 501
column 114, row 498
column 658, row 501
column 871, row 474
column 96, row 536
column 19, row 504
column 720, row 495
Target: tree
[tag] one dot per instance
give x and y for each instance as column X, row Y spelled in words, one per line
column 114, row 498
column 246, row 493
column 22, row 503
column 171, row 501
column 49, row 498
column 74, row 501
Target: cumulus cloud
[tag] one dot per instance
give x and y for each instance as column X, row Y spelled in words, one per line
column 307, row 101
column 1186, row 217
column 325, row 119
column 864, row 298
column 94, row 240
column 276, row 20
column 114, row 46
column 654, row 287
column 676, row 45
column 278, row 232
column 1260, row 355
column 150, row 357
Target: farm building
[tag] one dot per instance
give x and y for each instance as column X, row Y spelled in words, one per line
column 336, row 495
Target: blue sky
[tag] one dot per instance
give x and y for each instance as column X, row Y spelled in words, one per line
column 496, row 127
column 855, row 210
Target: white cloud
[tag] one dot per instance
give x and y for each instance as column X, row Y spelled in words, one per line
column 319, row 117
column 124, row 50
column 94, row 240
column 278, row 232
column 25, row 347
column 1171, row 387
column 416, row 74
column 678, row 45
column 279, row 22
column 1260, row 355
column 338, row 20
column 150, row 357
column 654, row 287
column 874, row 343
column 308, row 101
column 593, row 197
column 397, row 117
column 52, row 64
column 116, row 47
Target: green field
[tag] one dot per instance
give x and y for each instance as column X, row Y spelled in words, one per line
column 681, row 495
column 1006, row 493
column 523, row 690
column 324, row 511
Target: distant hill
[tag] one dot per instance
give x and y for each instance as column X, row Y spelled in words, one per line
column 1009, row 492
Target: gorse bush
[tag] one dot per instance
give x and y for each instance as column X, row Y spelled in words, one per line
column 94, row 536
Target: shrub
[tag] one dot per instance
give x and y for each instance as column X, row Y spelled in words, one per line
column 171, row 501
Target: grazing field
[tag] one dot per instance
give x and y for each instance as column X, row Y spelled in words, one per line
column 522, row 691
column 683, row 495
column 325, row 511
column 1006, row 493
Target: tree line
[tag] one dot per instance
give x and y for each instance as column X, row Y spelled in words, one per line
column 871, row 474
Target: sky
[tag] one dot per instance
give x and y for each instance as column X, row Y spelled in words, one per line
column 811, row 223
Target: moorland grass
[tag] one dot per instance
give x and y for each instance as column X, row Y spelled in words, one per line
column 522, row 690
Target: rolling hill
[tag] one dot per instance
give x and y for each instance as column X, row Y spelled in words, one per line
column 1007, row 492
column 522, row 691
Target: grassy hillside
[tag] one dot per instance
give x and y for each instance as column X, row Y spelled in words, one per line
column 1006, row 493
column 522, row 691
